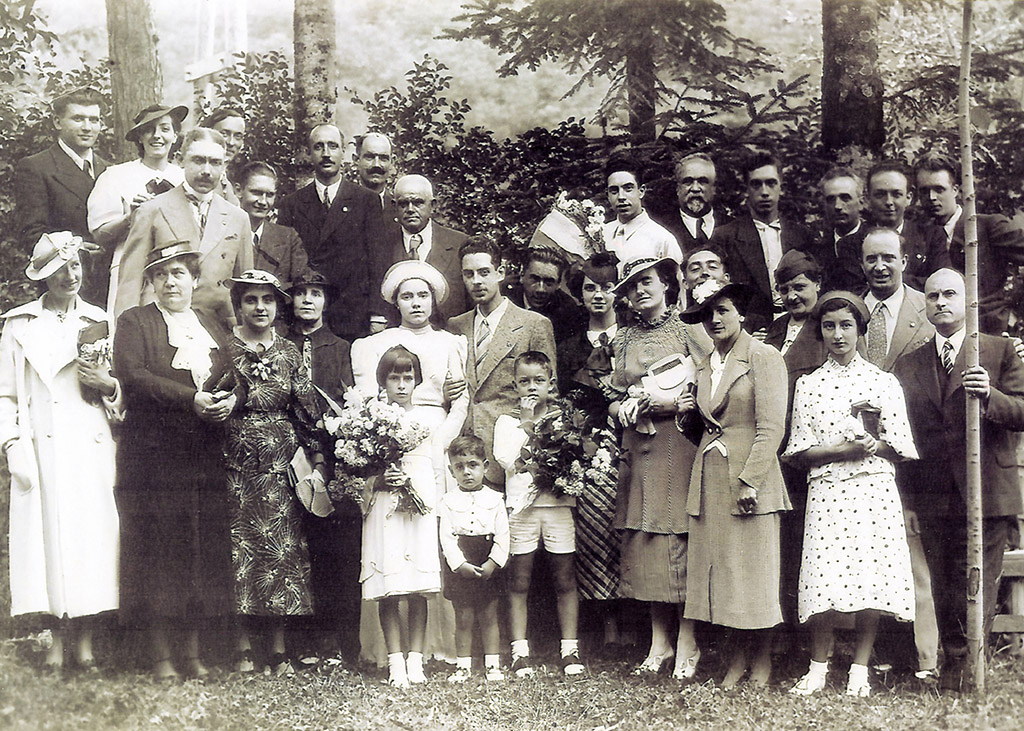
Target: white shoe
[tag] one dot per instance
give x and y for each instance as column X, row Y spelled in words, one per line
column 809, row 684
column 461, row 675
column 494, row 675
column 858, row 688
column 688, row 668
column 416, row 676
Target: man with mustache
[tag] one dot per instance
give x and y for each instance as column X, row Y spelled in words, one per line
column 51, row 187
column 192, row 211
column 276, row 249
column 374, row 163
column 842, row 199
column 342, row 230
column 755, row 241
column 694, row 223
column 633, row 233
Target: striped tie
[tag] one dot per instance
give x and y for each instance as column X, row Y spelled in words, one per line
column 483, row 339
column 947, row 357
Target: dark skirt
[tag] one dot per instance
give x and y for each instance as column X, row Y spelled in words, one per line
column 463, row 590
column 653, row 566
column 733, row 563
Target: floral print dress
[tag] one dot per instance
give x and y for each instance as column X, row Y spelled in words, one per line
column 269, row 551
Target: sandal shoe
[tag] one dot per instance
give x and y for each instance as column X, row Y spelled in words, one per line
column 809, row 684
column 688, row 669
column 654, row 664
column 244, row 663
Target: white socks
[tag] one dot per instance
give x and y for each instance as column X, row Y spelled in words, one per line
column 490, row 661
column 569, row 647
column 414, row 667
column 396, row 670
column 466, row 663
column 520, row 648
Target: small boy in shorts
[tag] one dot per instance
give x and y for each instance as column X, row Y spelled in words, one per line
column 474, row 541
column 536, row 517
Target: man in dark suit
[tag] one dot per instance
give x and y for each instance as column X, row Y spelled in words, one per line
column 374, row 163
column 51, row 187
column 937, row 383
column 889, row 196
column 413, row 234
column 497, row 331
column 754, row 242
column 540, row 290
column 1000, row 240
column 191, row 212
column 694, row 222
column 842, row 197
column 342, row 229
column 276, row 249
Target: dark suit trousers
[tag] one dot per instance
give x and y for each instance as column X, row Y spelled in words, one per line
column 945, row 546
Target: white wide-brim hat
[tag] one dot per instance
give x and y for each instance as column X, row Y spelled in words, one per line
column 406, row 270
column 51, row 252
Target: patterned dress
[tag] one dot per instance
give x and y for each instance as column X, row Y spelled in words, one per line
column 855, row 553
column 269, row 551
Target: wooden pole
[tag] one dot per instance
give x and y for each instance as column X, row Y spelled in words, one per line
column 976, row 640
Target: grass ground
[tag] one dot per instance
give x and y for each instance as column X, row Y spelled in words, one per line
column 607, row 697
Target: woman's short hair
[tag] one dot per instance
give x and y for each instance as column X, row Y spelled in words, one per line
column 835, row 304
column 191, row 263
column 398, row 359
column 256, row 167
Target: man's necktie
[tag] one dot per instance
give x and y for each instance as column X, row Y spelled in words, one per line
column 256, row 239
column 947, row 357
column 483, row 339
column 878, row 344
column 415, row 242
column 197, row 203
column 327, row 201
column 307, row 356
column 87, row 168
column 702, row 237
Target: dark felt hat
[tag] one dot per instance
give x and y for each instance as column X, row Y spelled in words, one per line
column 151, row 114
column 708, row 293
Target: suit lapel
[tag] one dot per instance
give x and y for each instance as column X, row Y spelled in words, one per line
column 339, row 209
column 502, row 342
column 69, row 175
column 908, row 320
column 755, row 256
column 178, row 216
column 737, row 363
column 216, row 226
column 955, row 379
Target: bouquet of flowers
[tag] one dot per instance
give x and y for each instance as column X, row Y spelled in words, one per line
column 568, row 449
column 94, row 347
column 575, row 226
column 372, row 434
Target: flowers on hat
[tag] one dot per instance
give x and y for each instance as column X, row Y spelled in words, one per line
column 707, row 288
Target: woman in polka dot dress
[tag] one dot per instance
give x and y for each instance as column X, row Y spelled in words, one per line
column 849, row 427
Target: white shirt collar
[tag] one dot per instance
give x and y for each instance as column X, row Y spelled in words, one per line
column 259, row 230
column 424, row 248
column 950, row 225
column 594, row 336
column 631, row 226
column 495, row 317
column 190, row 191
column 836, row 235
column 691, row 222
column 332, row 190
column 956, row 340
column 892, row 303
column 75, row 157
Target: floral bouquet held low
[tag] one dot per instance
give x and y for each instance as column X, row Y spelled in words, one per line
column 371, row 437
column 566, row 450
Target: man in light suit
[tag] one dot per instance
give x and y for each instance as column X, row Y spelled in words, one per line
column 497, row 331
column 192, row 212
column 1000, row 240
column 51, row 187
column 898, row 324
column 937, row 383
column 342, row 229
column 755, row 241
column 694, row 222
column 413, row 234
column 276, row 249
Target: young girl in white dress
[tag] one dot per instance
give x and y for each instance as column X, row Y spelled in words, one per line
column 849, row 426
column 400, row 546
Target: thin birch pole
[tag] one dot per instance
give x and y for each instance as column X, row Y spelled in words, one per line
column 975, row 554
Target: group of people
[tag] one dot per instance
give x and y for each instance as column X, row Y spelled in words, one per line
column 787, row 410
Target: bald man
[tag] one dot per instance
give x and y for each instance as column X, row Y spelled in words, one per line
column 374, row 163
column 342, row 230
column 412, row 234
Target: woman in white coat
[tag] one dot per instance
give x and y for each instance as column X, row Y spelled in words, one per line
column 55, row 407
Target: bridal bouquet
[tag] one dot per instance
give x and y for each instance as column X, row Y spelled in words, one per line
column 371, row 435
column 575, row 226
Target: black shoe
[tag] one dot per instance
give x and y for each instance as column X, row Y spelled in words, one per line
column 522, row 667
column 571, row 665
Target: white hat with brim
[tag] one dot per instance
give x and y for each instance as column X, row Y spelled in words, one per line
column 51, row 252
column 258, row 278
column 631, row 268
column 403, row 271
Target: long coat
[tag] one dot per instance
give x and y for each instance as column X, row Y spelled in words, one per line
column 64, row 525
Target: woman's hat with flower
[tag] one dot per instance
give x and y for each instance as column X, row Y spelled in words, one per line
column 151, row 114
column 406, row 270
column 705, row 294
column 51, row 252
column 631, row 268
column 258, row 278
column 173, row 250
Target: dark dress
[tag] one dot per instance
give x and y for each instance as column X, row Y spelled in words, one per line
column 597, row 542
column 269, row 552
column 171, row 486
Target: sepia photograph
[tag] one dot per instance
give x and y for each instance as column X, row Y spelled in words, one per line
column 511, row 365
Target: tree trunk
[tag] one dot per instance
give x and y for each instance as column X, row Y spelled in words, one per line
column 640, row 89
column 851, row 85
column 136, row 80
column 316, row 87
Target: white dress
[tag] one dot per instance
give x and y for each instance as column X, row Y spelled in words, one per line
column 64, row 525
column 855, row 553
column 440, row 353
column 400, row 549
